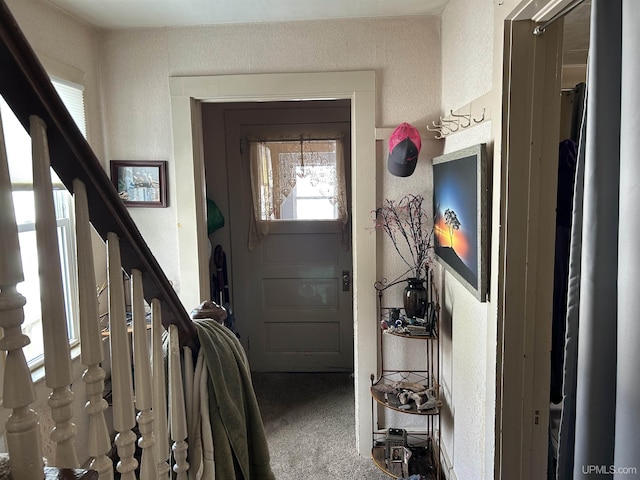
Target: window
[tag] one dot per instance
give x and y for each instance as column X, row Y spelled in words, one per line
column 311, row 198
column 18, row 145
column 301, row 179
column 72, row 96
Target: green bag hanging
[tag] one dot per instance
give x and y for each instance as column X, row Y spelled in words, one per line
column 215, row 220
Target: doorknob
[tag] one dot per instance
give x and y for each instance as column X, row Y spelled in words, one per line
column 346, row 280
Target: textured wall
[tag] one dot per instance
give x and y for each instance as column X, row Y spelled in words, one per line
column 136, row 66
column 467, row 51
column 53, row 33
column 468, row 378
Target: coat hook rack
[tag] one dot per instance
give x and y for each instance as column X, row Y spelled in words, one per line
column 455, row 122
column 465, row 117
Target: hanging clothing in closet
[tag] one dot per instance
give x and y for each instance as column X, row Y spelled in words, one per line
column 566, row 177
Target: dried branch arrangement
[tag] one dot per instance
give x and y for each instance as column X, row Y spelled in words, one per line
column 410, row 229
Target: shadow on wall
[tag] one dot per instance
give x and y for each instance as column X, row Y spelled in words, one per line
column 446, row 356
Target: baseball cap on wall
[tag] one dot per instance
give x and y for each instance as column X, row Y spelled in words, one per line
column 404, row 147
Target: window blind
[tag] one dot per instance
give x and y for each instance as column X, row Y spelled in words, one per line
column 72, row 95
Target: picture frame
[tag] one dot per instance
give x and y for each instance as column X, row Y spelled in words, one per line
column 397, row 454
column 140, row 183
column 460, row 216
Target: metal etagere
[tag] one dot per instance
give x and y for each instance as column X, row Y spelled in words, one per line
column 399, row 452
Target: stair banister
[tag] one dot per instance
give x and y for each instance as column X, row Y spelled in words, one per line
column 57, row 356
column 162, row 447
column 124, row 419
column 92, row 354
column 26, row 88
column 143, row 388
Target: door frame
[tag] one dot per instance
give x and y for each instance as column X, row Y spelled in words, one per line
column 529, row 134
column 187, row 95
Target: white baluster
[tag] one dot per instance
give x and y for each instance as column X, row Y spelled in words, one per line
column 142, row 369
column 178, row 412
column 122, row 388
column 91, row 342
column 189, row 374
column 159, row 392
column 57, row 358
column 22, row 430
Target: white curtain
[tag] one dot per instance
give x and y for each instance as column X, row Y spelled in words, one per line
column 601, row 410
column 277, row 165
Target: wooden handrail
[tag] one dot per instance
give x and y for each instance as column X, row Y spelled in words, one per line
column 27, row 89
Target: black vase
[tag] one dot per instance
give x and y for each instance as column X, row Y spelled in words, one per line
column 415, row 298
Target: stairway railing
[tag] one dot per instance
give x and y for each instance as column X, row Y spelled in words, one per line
column 26, row 88
column 57, row 142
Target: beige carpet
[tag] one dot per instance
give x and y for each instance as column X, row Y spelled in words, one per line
column 310, row 424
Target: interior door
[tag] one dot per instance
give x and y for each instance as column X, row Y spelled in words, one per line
column 294, row 289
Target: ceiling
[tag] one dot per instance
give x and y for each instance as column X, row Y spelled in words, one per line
column 576, row 35
column 115, row 14
column 162, row 13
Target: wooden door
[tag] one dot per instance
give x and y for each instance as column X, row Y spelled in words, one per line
column 294, row 289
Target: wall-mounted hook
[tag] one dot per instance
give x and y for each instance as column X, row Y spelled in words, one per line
column 456, row 122
column 444, row 131
column 440, row 128
column 440, row 136
column 440, row 125
column 482, row 119
column 466, row 117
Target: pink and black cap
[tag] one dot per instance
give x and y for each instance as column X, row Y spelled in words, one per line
column 404, row 147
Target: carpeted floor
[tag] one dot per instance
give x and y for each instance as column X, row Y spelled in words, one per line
column 310, row 424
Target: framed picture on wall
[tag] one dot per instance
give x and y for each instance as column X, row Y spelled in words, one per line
column 459, row 211
column 140, row 183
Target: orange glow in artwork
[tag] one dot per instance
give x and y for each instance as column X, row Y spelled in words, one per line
column 460, row 243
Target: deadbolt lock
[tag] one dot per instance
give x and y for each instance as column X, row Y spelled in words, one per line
column 346, row 280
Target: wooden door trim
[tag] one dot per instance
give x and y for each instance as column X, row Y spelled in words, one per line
column 359, row 86
column 529, row 172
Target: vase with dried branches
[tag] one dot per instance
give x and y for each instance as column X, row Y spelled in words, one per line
column 410, row 229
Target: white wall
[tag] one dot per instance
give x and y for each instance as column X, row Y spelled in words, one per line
column 56, row 35
column 137, row 64
column 468, row 326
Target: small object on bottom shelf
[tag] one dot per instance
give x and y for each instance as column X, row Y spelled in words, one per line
column 405, row 461
column 396, row 437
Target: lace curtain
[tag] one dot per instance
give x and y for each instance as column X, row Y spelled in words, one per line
column 278, row 165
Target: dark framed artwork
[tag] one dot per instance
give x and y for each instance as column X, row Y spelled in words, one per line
column 459, row 211
column 140, row 183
